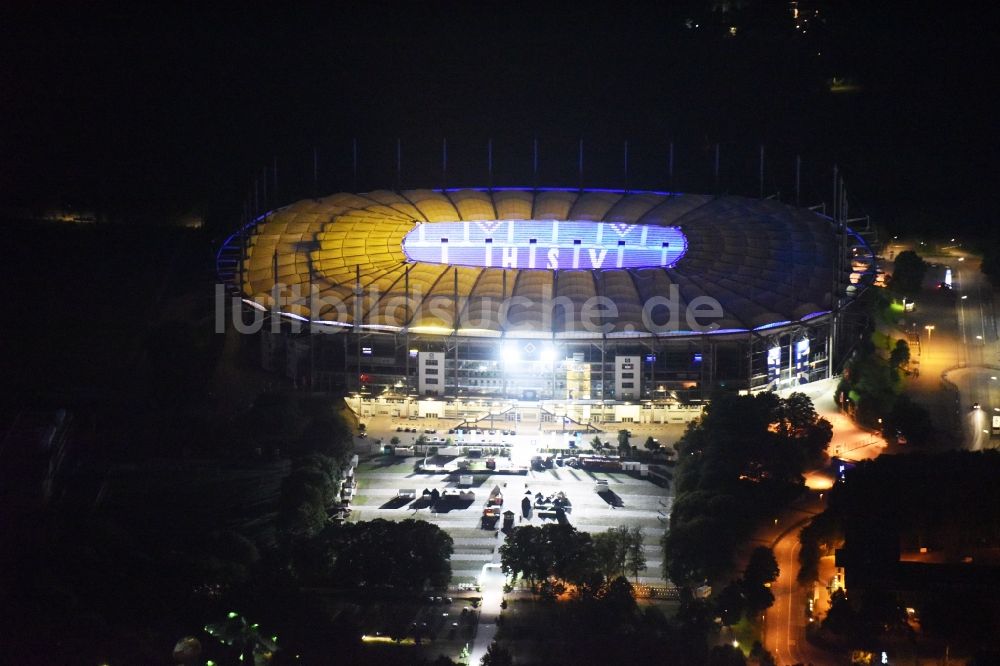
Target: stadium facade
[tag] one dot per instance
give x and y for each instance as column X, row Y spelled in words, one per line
column 568, row 296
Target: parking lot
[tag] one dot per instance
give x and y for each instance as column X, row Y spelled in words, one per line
column 628, row 500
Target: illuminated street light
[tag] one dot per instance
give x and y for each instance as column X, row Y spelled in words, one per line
column 930, row 329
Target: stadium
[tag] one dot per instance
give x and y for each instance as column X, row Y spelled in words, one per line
column 592, row 303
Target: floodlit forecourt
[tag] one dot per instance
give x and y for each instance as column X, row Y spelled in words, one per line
column 599, row 306
column 455, row 489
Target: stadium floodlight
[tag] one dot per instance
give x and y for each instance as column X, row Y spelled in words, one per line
column 511, row 353
column 548, row 354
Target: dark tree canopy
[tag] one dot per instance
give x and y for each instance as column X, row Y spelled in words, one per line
column 900, row 354
column 743, row 458
column 496, row 655
column 384, row 554
column 909, row 420
column 908, row 272
column 762, row 567
column 561, row 552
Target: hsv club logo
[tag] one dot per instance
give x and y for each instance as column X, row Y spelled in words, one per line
column 545, row 244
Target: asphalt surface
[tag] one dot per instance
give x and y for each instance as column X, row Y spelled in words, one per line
column 958, row 349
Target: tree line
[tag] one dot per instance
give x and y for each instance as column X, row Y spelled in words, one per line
column 737, row 464
column 556, row 555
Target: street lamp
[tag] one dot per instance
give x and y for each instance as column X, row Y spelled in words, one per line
column 930, row 329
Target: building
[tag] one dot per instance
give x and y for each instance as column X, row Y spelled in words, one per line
column 570, row 296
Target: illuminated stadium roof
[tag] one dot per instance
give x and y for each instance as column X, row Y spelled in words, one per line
column 419, row 255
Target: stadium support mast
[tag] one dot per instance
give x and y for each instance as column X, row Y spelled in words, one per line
column 534, row 164
column 406, row 330
column 717, row 167
column 798, row 180
column 243, row 249
column 670, row 168
column 444, row 163
column 358, row 308
column 626, row 167
column 761, row 173
column 274, row 270
column 315, row 172
column 354, row 161
column 455, row 332
column 833, row 203
column 312, row 338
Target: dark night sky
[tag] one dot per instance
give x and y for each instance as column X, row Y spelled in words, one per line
column 147, row 113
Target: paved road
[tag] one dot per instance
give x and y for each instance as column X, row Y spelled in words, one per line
column 961, row 347
column 785, row 622
column 491, row 583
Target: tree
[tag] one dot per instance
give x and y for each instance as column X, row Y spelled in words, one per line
column 841, row 619
column 651, row 444
column 552, row 551
column 821, row 536
column 900, row 354
column 246, row 638
column 229, row 558
column 635, row 553
column 394, row 441
column 872, row 385
column 380, row 553
column 990, row 266
column 274, row 415
column 910, row 420
column 763, row 657
column 328, row 434
column 522, row 554
column 619, row 551
column 301, row 505
column 695, row 620
column 762, row 567
column 908, row 272
column 726, row 655
column 497, row 656
column 618, row 597
column 737, row 463
column 623, row 444
column 758, row 597
column 730, row 603
column 596, row 443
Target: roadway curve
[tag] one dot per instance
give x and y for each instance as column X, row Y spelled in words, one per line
column 785, row 621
